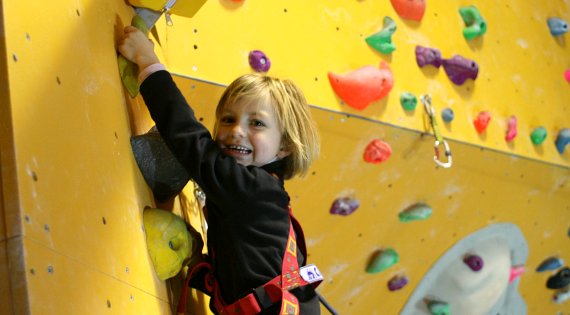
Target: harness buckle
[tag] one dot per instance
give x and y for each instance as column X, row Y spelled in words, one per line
column 311, row 273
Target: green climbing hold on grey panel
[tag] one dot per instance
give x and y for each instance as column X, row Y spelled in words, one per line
column 128, row 70
column 409, row 101
column 415, row 213
column 382, row 260
column 382, row 41
column 538, row 135
column 438, row 308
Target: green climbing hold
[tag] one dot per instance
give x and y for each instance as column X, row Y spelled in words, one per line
column 438, row 308
column 415, row 213
column 382, row 41
column 382, row 260
column 128, row 70
column 475, row 25
column 409, row 101
column 538, row 135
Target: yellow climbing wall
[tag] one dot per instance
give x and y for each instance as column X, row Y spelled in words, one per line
column 72, row 196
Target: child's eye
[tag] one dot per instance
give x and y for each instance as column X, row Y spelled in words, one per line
column 227, row 120
column 257, row 123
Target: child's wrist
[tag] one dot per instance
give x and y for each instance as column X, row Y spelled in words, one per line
column 145, row 61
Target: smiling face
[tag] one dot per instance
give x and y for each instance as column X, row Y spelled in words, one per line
column 248, row 130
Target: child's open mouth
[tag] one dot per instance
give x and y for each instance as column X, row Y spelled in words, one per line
column 237, row 150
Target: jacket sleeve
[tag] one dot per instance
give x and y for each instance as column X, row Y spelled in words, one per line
column 224, row 181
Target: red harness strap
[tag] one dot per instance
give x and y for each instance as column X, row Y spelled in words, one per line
column 275, row 290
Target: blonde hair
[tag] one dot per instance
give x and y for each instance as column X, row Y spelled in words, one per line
column 299, row 131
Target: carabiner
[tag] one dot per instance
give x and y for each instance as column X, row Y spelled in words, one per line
column 426, row 99
column 447, row 154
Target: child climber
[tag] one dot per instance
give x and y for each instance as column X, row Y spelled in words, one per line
column 264, row 134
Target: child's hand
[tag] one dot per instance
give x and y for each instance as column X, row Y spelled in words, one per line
column 136, row 47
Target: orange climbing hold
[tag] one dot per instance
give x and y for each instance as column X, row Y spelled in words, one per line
column 363, row 86
column 410, row 9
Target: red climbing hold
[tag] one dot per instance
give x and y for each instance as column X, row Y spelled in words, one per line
column 410, row 9
column 482, row 121
column 377, row 151
column 363, row 86
column 567, row 75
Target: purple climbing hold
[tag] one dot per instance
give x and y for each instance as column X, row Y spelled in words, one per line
column 428, row 56
column 474, row 262
column 459, row 69
column 397, row 282
column 344, row 206
column 560, row 280
column 259, row 61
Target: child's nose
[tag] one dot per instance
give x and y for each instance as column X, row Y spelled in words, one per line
column 238, row 130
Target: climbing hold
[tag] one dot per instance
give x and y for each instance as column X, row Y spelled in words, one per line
column 562, row 140
column 397, row 282
column 409, row 101
column 415, row 213
column 474, row 262
column 129, row 70
column 165, row 176
column 377, row 151
column 344, row 206
column 560, row 280
column 428, row 56
column 410, row 9
column 538, row 135
column 511, row 128
column 459, row 69
column 557, row 26
column 567, row 75
column 363, row 86
column 482, row 121
column 516, row 271
column 561, row 296
column 447, row 115
column 475, row 25
column 169, row 242
column 259, row 61
column 382, row 41
column 439, row 308
column 382, row 260
column 551, row 263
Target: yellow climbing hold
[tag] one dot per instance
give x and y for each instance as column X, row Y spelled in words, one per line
column 169, row 242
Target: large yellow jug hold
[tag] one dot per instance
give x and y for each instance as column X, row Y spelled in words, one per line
column 185, row 8
column 170, row 244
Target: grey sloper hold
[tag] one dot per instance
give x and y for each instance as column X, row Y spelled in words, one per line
column 165, row 176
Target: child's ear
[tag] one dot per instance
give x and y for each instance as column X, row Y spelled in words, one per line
column 284, row 151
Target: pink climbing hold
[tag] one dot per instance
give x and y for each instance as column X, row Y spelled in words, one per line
column 511, row 129
column 567, row 75
column 410, row 9
column 482, row 121
column 377, row 151
column 516, row 271
column 363, row 86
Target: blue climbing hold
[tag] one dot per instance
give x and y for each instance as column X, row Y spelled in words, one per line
column 557, row 26
column 447, row 115
column 562, row 140
column 551, row 263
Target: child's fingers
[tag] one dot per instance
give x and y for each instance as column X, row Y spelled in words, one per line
column 130, row 29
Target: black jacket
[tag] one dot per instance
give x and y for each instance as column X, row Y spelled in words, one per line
column 247, row 207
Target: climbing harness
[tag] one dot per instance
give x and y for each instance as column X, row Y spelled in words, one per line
column 426, row 100
column 277, row 289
